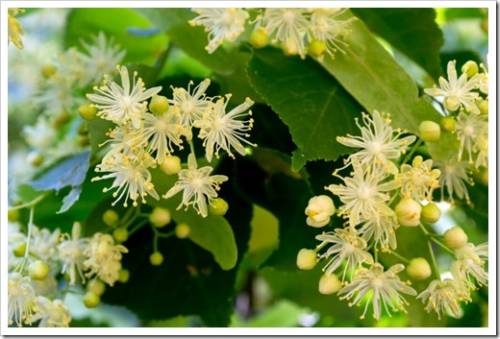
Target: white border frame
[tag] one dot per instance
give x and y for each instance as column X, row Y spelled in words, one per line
column 492, row 203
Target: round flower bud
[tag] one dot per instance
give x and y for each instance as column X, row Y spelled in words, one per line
column 259, row 38
column 13, row 215
column 96, row 286
column 329, row 284
column 120, row 234
column 84, row 140
column 319, row 210
column 419, row 269
column 483, row 106
column 156, row 259
column 35, row 159
column 218, row 206
column 160, row 217
column 123, row 276
column 87, row 111
column 91, row 300
column 38, row 270
column 484, row 25
column 455, row 238
column 182, row 231
column 110, row 217
column 449, row 124
column 171, row 165
column 317, row 48
column 451, row 103
column 306, row 259
column 429, row 131
column 48, row 71
column 20, row 250
column 408, row 212
column 482, row 176
column 430, row 213
column 83, row 129
column 470, row 68
column 158, row 104
column 61, row 119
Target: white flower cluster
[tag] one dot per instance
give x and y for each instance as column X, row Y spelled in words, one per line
column 465, row 100
column 296, row 30
column 146, row 137
column 58, row 96
column 36, row 263
column 376, row 199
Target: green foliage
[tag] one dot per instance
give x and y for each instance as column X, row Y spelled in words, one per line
column 413, row 31
column 314, row 106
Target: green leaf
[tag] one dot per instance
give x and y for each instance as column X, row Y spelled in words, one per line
column 282, row 314
column 372, row 76
column 119, row 23
column 312, row 104
column 413, row 31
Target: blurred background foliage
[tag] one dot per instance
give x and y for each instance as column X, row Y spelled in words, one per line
column 266, row 197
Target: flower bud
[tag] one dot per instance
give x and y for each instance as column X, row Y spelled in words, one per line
column 123, row 276
column 319, row 210
column 84, row 140
column 91, row 300
column 160, row 217
column 483, row 106
column 110, row 217
column 329, row 284
column 317, row 48
column 61, row 119
column 259, row 38
column 470, row 68
column 451, row 103
column 449, row 124
column 38, row 270
column 455, row 238
column 306, row 259
column 87, row 111
column 218, row 206
column 171, row 165
column 35, row 159
column 408, row 212
column 48, row 71
column 20, row 250
column 13, row 215
column 419, row 269
column 83, row 129
column 182, row 231
column 120, row 234
column 430, row 213
column 158, row 104
column 484, row 25
column 429, row 131
column 96, row 286
column 156, row 259
column 482, row 176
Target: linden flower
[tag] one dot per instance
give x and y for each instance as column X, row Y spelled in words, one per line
column 381, row 231
column 130, row 175
column 287, row 26
column 457, row 92
column 221, row 130
column 469, row 266
column 162, row 132
column 443, row 297
column 482, row 80
column 384, row 288
column 125, row 140
column 319, row 211
column 51, row 313
column 121, row 104
column 418, row 180
column 43, row 243
column 15, row 28
column 481, row 147
column 453, row 178
column 41, row 135
column 100, row 57
column 222, row 24
column 346, row 246
column 198, row 187
column 469, row 128
column 364, row 195
column 379, row 143
column 21, row 299
column 70, row 252
column 191, row 103
column 104, row 258
column 326, row 25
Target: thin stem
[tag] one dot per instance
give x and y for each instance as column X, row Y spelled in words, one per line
column 400, row 257
column 412, row 150
column 137, row 227
column 30, row 203
column 155, row 242
column 422, row 227
column 28, row 240
column 165, row 235
column 376, row 254
column 443, row 246
column 433, row 259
